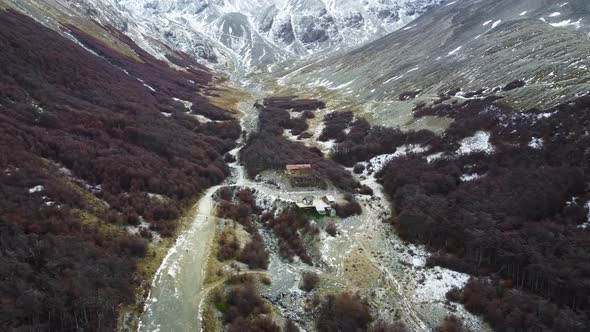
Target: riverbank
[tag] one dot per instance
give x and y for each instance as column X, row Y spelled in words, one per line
column 159, row 267
column 129, row 316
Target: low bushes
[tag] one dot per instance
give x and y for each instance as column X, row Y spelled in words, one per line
column 228, row 245
column 243, row 308
column 287, row 227
column 350, row 208
column 343, row 312
column 451, row 323
column 254, row 253
column 331, row 229
column 310, row 280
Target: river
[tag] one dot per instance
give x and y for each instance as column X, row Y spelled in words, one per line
column 175, row 297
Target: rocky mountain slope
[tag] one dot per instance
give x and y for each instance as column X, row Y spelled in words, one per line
column 234, row 33
column 467, row 45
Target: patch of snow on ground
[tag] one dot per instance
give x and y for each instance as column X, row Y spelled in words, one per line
column 496, row 24
column 186, row 104
column 135, row 230
column 480, row 142
column 201, row 118
column 523, row 13
column 146, row 85
column 469, row 177
column 536, row 143
column 438, row 282
column 566, row 23
column 587, row 223
column 455, row 50
column 36, row 189
column 546, row 115
column 326, row 147
column 342, row 86
column 156, row 196
column 394, row 78
column 555, row 14
column 434, row 156
column 378, row 162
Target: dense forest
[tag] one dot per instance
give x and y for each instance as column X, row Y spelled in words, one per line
column 512, row 209
column 358, row 141
column 269, row 149
column 89, row 141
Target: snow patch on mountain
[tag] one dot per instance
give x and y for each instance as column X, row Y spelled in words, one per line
column 256, row 32
column 479, row 142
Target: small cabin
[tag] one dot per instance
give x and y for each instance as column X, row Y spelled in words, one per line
column 319, row 205
column 298, row 169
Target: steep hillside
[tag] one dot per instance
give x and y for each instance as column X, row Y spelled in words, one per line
column 232, row 34
column 98, row 158
column 467, row 45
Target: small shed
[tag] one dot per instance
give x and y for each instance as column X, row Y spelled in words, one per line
column 298, row 169
column 329, row 199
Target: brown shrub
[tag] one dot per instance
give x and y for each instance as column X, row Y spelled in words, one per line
column 228, row 246
column 243, row 302
column 290, row 326
column 349, row 209
column 358, row 168
column 382, row 326
column 254, row 254
column 451, row 323
column 343, row 312
column 310, row 280
column 258, row 324
column 331, row 229
column 366, row 190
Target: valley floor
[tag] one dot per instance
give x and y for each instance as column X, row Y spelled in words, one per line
column 365, row 257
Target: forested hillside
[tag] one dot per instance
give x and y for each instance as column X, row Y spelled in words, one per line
column 92, row 140
column 502, row 195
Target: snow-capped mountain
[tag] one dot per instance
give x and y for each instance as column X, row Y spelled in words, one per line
column 247, row 33
column 262, row 32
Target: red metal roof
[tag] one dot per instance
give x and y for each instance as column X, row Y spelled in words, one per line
column 300, row 166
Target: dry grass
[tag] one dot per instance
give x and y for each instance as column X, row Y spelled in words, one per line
column 84, row 24
column 229, row 97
